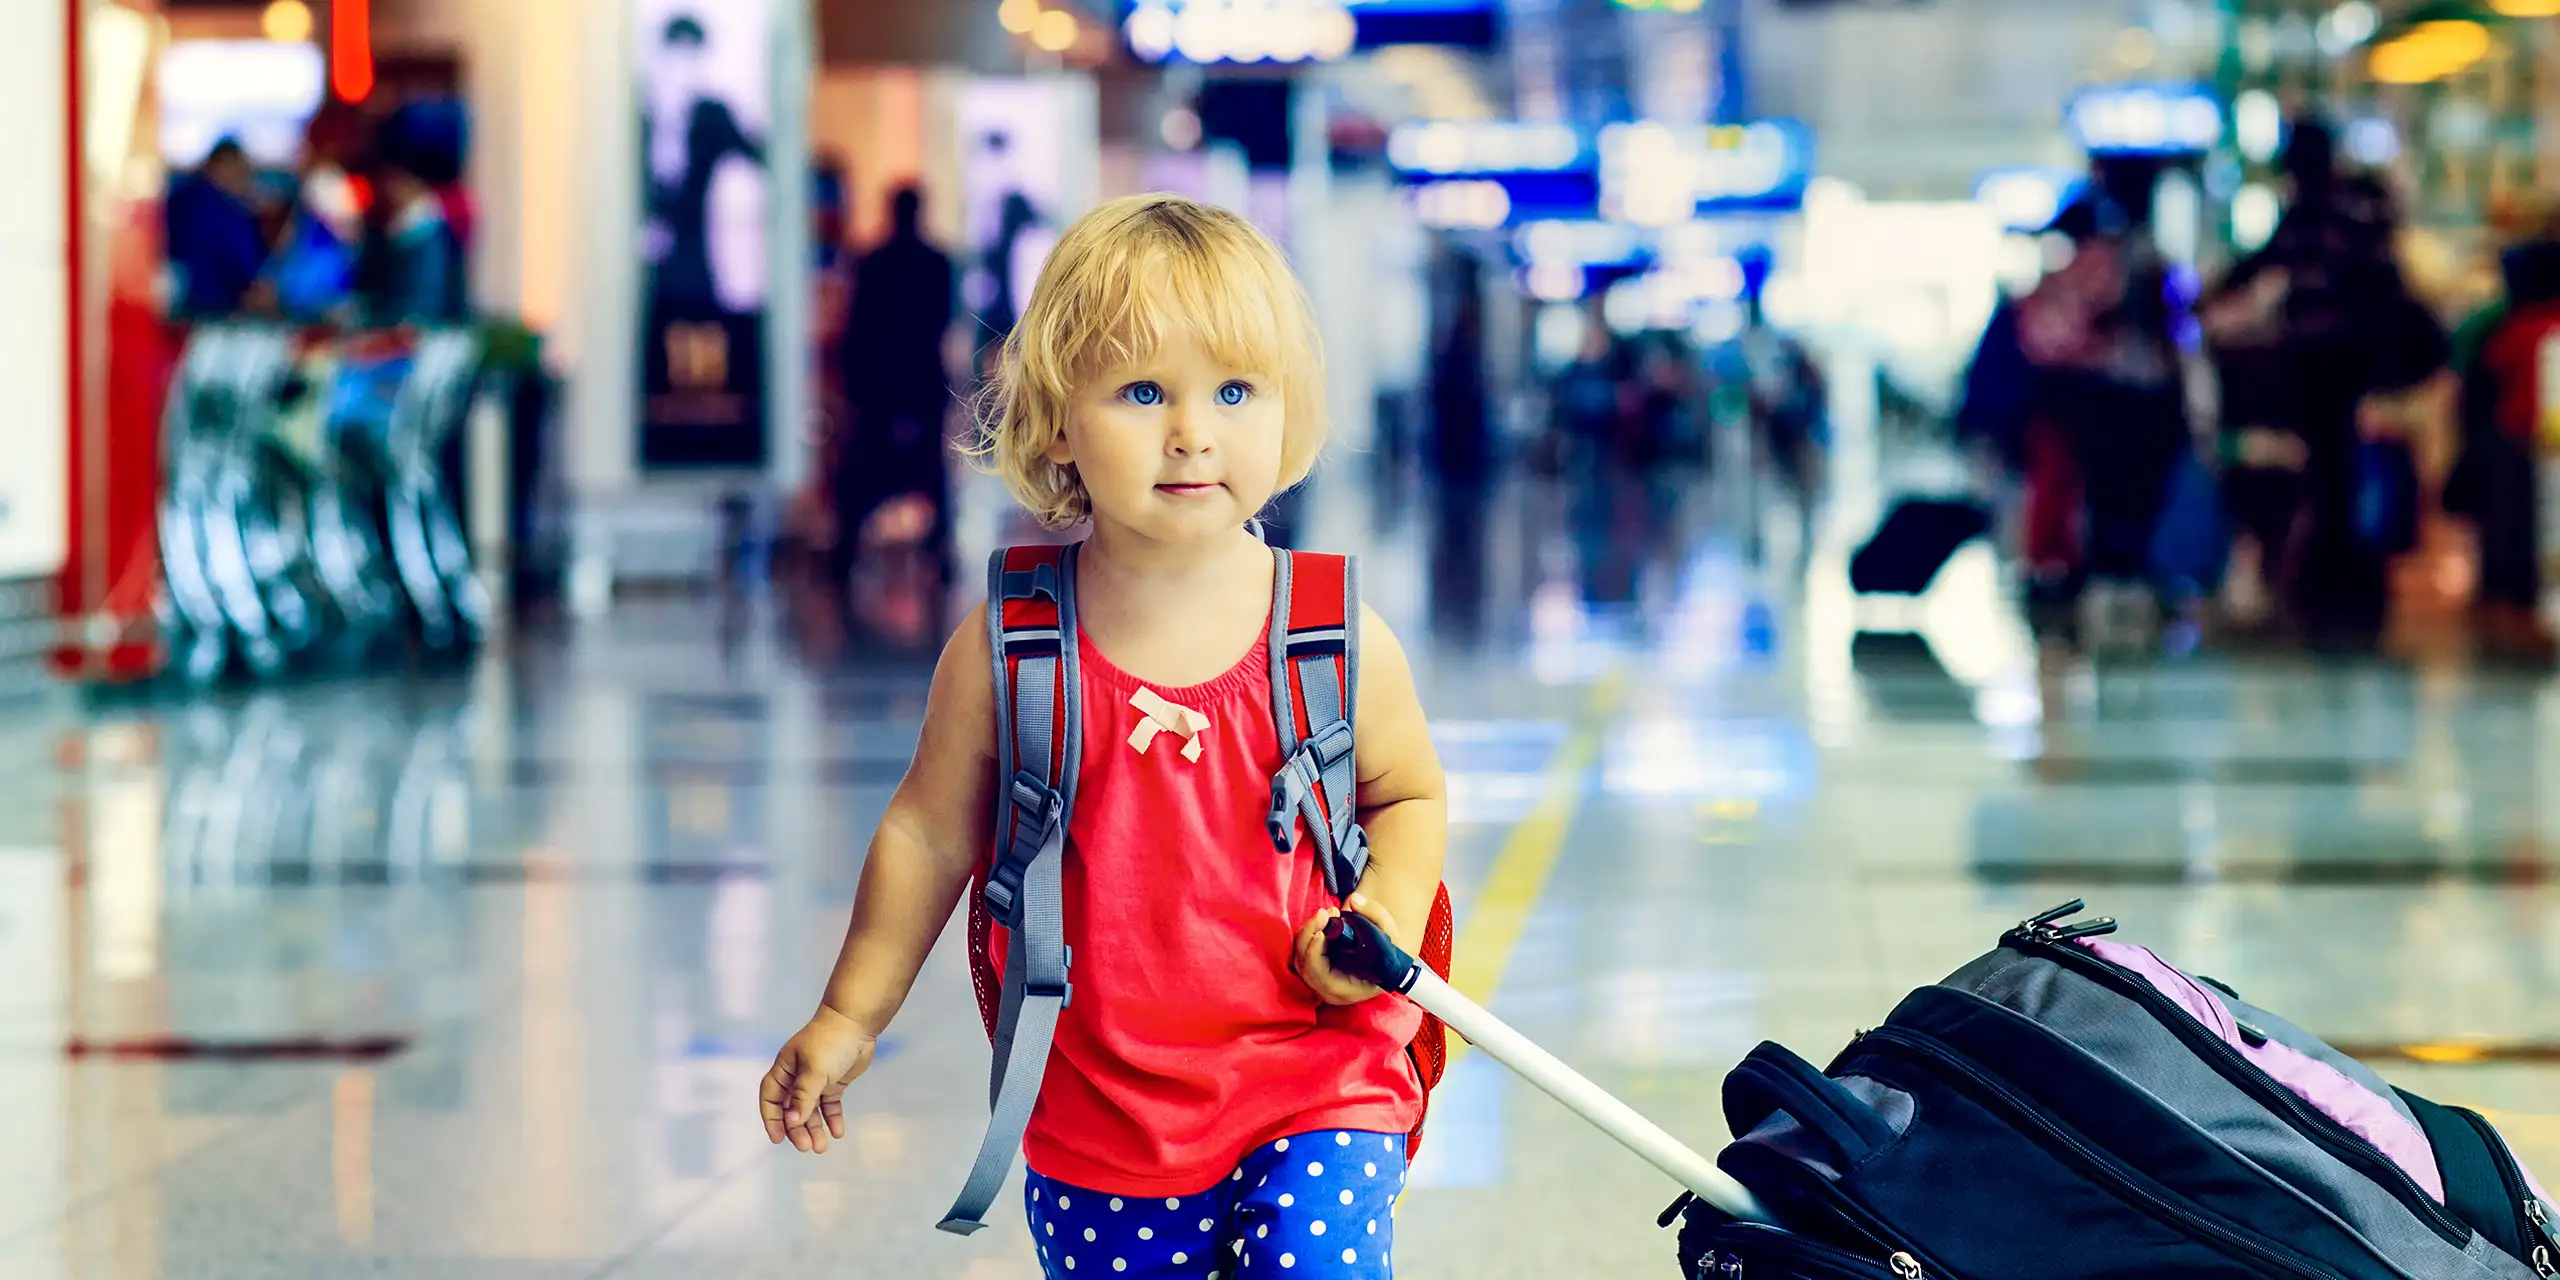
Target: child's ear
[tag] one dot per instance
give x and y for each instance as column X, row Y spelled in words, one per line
column 1059, row 452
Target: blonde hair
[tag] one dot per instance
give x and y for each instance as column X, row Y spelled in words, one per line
column 1124, row 276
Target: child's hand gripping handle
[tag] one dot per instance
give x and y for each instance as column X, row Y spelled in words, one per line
column 1358, row 947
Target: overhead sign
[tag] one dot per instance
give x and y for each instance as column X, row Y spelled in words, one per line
column 1654, row 174
column 2145, row 119
column 1299, row 31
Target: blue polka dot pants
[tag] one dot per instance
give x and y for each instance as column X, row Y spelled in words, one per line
column 1318, row 1204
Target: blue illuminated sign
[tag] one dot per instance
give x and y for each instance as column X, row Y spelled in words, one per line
column 1286, row 32
column 2145, row 119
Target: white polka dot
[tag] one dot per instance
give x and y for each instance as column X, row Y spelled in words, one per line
column 1239, row 1176
column 1388, row 1143
column 1180, row 1258
column 1088, row 1235
column 1119, row 1264
column 1373, row 1227
column 1342, row 1139
column 1350, row 1256
column 1317, row 1228
column 1287, row 1200
column 1071, row 1263
column 1205, row 1224
column 1282, row 1145
column 1173, row 1202
column 1053, row 1228
column 1262, row 1232
column 1373, row 1168
column 1146, row 1233
column 1314, row 1170
column 1115, row 1204
column 1035, row 1195
column 1346, row 1197
column 1065, row 1203
column 1288, row 1259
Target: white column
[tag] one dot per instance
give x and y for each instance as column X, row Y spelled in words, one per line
column 555, row 163
column 788, row 323
column 593, row 201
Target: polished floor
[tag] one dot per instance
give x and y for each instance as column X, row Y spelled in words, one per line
column 472, row 976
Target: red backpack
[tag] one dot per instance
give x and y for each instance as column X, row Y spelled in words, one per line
column 1031, row 630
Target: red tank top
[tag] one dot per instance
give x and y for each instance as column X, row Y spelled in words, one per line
column 1188, row 1042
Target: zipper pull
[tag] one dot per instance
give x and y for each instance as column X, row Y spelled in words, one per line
column 1905, row 1267
column 2543, row 1262
column 2065, row 911
column 2098, row 928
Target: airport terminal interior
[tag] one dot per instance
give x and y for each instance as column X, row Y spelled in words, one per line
column 424, row 893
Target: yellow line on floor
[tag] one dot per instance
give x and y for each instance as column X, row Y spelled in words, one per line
column 1499, row 911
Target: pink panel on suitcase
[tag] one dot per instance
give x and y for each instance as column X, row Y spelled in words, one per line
column 2341, row 1099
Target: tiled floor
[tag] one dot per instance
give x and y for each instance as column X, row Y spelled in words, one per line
column 539, row 927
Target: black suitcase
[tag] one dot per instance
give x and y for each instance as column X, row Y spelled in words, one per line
column 1916, row 539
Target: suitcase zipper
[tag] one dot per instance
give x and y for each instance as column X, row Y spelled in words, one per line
column 2046, row 941
column 2098, row 1161
column 1799, row 1254
column 2533, row 1225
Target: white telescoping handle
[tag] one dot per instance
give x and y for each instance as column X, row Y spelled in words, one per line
column 1588, row 1100
column 1357, row 946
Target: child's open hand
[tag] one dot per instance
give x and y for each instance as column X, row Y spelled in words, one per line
column 802, row 1097
column 1330, row 984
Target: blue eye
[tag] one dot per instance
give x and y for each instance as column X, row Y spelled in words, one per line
column 1234, row 393
column 1145, row 395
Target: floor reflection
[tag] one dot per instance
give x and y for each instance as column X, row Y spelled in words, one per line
column 471, row 975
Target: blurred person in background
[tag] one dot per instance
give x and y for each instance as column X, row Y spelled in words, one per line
column 2356, row 354
column 314, row 268
column 2509, row 401
column 413, row 269
column 1789, row 404
column 1461, row 428
column 217, row 245
column 1664, row 431
column 894, row 462
column 2100, row 333
column 1587, row 398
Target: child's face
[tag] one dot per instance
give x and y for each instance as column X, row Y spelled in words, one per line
column 1176, row 446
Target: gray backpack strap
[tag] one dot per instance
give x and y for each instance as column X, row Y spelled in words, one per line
column 1036, row 685
column 1319, row 778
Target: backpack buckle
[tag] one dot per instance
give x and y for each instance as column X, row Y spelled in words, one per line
column 1057, row 986
column 1032, row 583
column 1288, row 790
column 1350, row 861
column 1036, row 811
column 1331, row 744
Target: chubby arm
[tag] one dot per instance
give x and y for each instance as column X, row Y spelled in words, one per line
column 930, row 840
column 1404, row 803
column 928, row 844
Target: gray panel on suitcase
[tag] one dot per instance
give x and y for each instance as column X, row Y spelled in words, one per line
column 2129, row 1040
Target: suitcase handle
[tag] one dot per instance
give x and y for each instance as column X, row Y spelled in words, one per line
column 1357, row 946
column 1774, row 1080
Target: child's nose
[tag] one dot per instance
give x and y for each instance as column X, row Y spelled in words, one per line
column 1186, row 430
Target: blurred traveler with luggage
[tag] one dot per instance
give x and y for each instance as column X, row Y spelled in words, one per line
column 2355, row 360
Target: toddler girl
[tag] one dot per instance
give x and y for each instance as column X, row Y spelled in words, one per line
column 1217, row 1097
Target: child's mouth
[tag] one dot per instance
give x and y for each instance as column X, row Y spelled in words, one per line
column 1188, row 490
